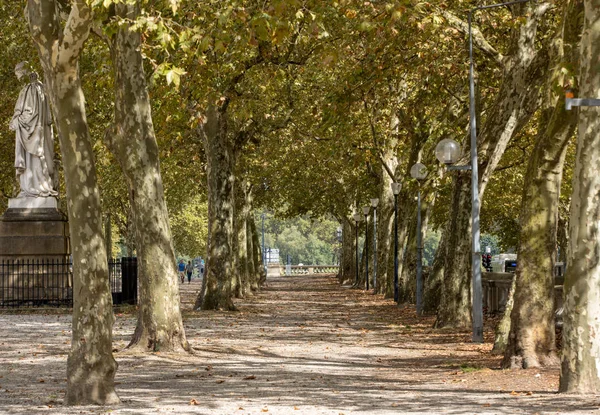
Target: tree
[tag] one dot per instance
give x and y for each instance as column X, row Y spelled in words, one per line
column 531, row 342
column 513, row 106
column 133, row 141
column 579, row 363
column 90, row 366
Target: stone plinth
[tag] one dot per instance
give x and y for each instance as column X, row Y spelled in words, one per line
column 34, row 254
column 34, row 228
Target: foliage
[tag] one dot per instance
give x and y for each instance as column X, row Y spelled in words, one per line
column 430, row 246
column 189, row 228
column 306, row 241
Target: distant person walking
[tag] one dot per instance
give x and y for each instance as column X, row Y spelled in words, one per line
column 182, row 271
column 189, row 269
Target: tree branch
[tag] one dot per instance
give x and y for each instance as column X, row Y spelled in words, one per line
column 75, row 33
column 479, row 40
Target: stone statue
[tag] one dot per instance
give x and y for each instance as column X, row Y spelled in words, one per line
column 34, row 144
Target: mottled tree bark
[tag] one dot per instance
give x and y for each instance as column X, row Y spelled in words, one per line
column 219, row 275
column 240, row 244
column 455, row 304
column 159, row 326
column 516, row 102
column 531, row 342
column 407, row 275
column 90, row 365
column 347, row 272
column 260, row 275
column 385, row 226
column 252, row 271
column 435, row 280
column 503, row 328
column 580, row 362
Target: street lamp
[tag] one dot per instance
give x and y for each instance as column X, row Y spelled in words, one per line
column 374, row 203
column 357, row 218
column 338, row 234
column 419, row 172
column 396, row 187
column 366, row 210
column 475, row 207
column 264, row 252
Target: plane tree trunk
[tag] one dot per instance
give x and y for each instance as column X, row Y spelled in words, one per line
column 516, row 102
column 531, row 342
column 219, row 276
column 159, row 326
column 580, row 362
column 347, row 262
column 91, row 367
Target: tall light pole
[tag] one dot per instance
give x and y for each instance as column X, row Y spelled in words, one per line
column 396, row 187
column 264, row 251
column 356, row 217
column 475, row 204
column 366, row 210
column 338, row 234
column 374, row 203
column 419, row 172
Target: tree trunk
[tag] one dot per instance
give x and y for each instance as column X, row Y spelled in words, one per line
column 252, row 271
column 219, row 275
column 580, row 363
column 503, row 329
column 348, row 262
column 242, row 211
column 407, row 278
column 515, row 104
column 260, row 275
column 531, row 342
column 432, row 294
column 385, row 229
column 159, row 326
column 90, row 365
column 455, row 305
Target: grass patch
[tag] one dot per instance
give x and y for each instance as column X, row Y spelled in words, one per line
column 468, row 368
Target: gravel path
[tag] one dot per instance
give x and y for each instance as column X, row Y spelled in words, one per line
column 302, row 346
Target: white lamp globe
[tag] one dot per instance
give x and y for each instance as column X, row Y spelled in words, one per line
column 418, row 171
column 448, row 151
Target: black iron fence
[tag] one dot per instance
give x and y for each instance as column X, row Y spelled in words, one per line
column 49, row 282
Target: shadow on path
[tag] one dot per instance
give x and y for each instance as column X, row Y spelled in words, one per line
column 304, row 345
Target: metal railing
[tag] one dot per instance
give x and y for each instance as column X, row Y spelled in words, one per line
column 33, row 283
column 496, row 288
column 308, row 270
column 28, row 283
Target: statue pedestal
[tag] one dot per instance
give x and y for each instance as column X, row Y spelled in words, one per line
column 33, row 227
column 35, row 267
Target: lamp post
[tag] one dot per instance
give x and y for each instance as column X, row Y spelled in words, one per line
column 366, row 210
column 419, row 172
column 374, row 203
column 475, row 206
column 338, row 234
column 396, row 187
column 264, row 252
column 356, row 217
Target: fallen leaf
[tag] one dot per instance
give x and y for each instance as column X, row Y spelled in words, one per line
column 194, row 402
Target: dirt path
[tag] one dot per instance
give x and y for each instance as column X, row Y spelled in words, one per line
column 302, row 346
